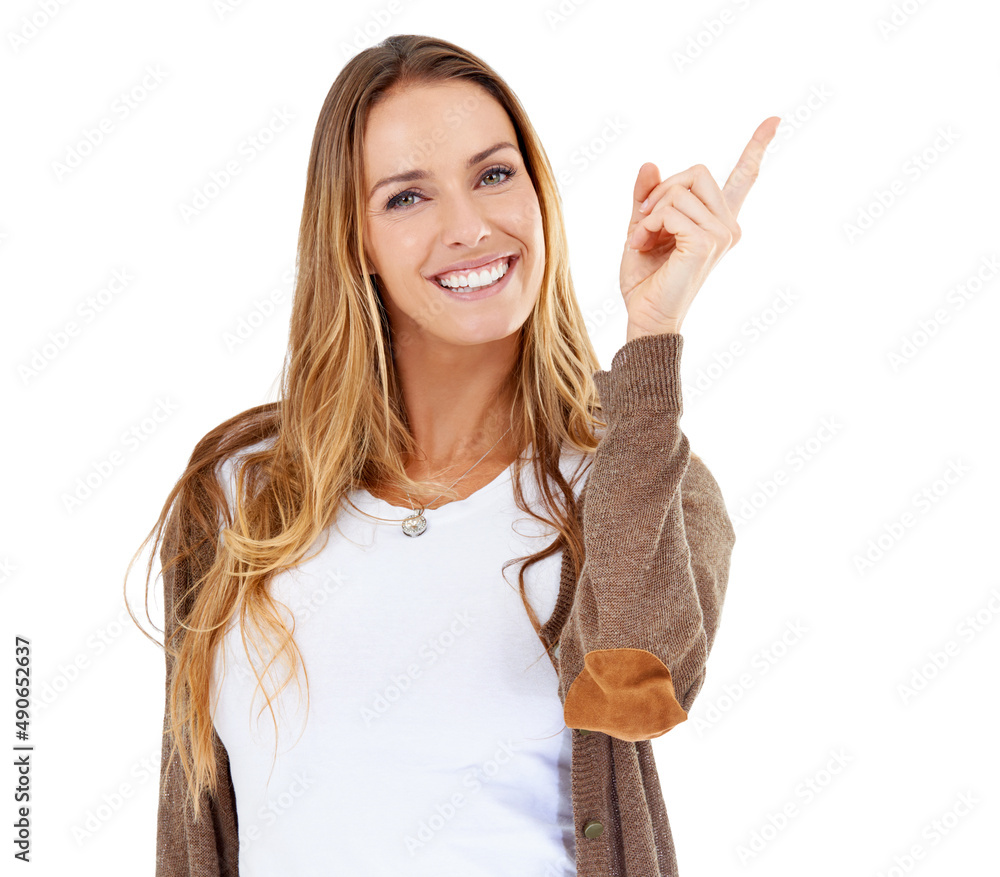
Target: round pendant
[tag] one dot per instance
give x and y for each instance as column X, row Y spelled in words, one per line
column 414, row 525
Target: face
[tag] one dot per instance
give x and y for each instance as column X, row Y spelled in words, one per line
column 462, row 201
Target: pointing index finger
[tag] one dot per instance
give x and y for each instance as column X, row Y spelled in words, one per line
column 738, row 185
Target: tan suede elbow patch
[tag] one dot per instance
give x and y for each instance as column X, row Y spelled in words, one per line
column 626, row 693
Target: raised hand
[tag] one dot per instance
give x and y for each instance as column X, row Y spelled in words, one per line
column 679, row 230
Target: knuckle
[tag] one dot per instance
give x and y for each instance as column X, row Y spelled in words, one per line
column 704, row 245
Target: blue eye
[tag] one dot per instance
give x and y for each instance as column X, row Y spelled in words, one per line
column 393, row 202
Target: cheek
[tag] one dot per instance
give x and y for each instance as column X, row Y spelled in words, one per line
column 526, row 219
column 392, row 244
column 405, row 253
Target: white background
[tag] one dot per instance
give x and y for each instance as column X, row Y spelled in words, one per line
column 819, row 442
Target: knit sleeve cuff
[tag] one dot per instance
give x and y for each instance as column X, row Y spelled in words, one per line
column 644, row 372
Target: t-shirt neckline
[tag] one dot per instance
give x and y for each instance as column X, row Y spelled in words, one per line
column 501, row 479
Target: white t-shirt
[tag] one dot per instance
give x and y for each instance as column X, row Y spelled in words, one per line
column 435, row 741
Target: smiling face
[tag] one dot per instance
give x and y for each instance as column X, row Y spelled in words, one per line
column 463, row 199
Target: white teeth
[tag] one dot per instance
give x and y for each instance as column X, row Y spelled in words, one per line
column 474, row 279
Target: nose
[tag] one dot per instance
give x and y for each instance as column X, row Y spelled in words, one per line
column 464, row 219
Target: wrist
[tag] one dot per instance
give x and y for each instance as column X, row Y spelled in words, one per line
column 638, row 331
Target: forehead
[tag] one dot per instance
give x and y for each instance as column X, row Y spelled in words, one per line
column 429, row 125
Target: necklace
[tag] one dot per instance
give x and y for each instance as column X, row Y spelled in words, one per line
column 416, row 523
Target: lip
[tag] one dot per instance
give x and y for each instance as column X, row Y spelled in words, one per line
column 486, row 292
column 469, row 264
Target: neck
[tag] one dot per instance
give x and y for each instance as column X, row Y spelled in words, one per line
column 450, row 394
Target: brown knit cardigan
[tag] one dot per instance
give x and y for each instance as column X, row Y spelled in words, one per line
column 635, row 628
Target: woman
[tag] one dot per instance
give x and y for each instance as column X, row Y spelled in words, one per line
column 436, row 425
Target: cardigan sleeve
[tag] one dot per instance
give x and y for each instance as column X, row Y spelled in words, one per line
column 184, row 847
column 657, row 546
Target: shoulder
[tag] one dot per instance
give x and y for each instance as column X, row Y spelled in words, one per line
column 698, row 476
column 703, row 503
column 208, row 479
column 228, row 467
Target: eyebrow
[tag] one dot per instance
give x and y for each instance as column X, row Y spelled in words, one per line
column 409, row 176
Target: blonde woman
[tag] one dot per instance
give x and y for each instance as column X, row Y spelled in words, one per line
column 354, row 683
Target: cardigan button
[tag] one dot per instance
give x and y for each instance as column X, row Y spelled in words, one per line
column 583, row 732
column 593, row 829
column 555, row 651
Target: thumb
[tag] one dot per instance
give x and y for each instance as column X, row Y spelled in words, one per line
column 646, row 180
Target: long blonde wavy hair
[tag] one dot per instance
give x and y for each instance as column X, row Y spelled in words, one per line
column 340, row 423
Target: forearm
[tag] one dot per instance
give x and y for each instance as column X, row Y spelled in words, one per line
column 656, row 557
